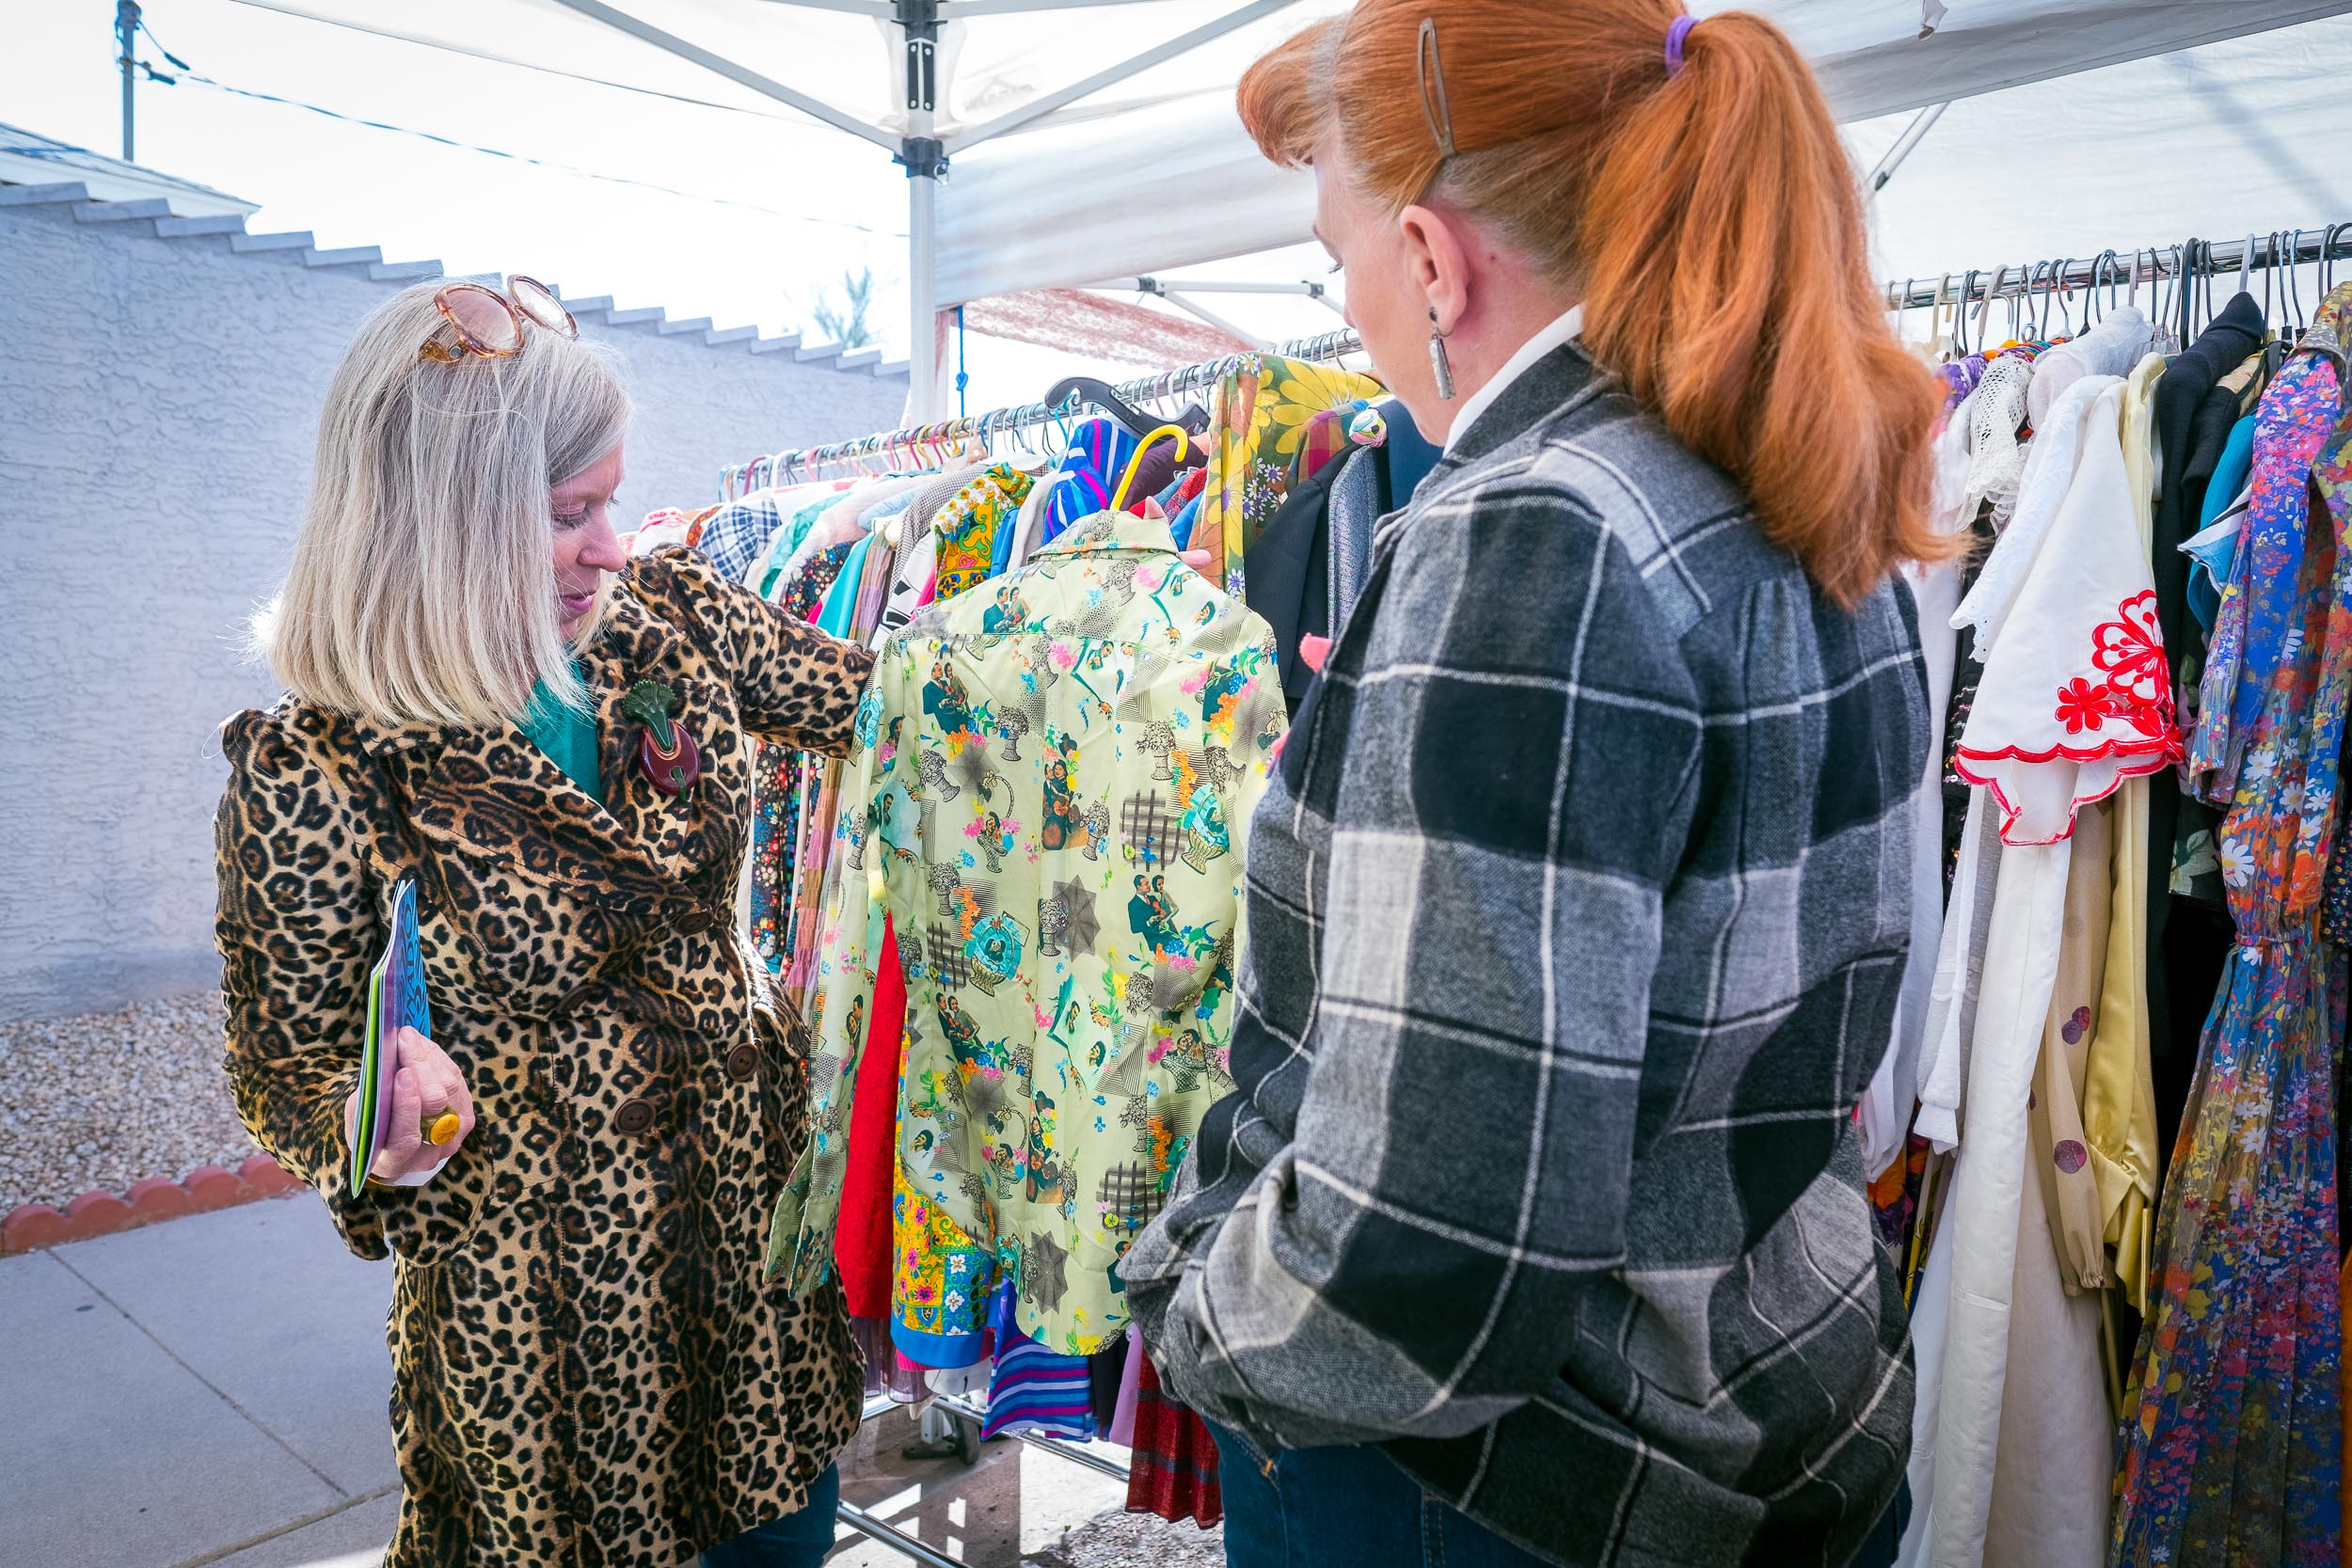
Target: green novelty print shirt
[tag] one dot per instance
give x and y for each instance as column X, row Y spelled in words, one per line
column 1050, row 795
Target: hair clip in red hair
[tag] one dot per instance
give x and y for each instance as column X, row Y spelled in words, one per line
column 1432, row 72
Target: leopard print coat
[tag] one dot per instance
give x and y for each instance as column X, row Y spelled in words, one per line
column 589, row 1369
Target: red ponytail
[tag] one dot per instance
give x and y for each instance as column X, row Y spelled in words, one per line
column 1711, row 220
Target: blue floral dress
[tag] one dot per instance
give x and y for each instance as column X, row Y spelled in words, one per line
column 2235, row 1453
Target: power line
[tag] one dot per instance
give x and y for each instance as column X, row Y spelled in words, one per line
column 524, row 65
column 189, row 75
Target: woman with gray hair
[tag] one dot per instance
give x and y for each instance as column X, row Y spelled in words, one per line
column 487, row 697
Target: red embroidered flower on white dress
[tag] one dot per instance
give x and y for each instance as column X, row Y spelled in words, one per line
column 2082, row 706
column 2129, row 651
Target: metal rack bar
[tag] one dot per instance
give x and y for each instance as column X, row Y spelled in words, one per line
column 2109, row 269
column 962, row 1406
column 2122, row 267
column 896, row 1540
column 1323, row 346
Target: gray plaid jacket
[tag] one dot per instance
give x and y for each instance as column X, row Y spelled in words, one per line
column 1576, row 916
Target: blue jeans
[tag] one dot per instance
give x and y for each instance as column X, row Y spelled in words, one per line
column 796, row 1541
column 1344, row 1508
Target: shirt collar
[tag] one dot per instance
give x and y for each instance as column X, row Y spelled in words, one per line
column 1112, row 530
column 1478, row 403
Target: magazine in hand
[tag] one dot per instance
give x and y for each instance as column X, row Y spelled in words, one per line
column 396, row 1000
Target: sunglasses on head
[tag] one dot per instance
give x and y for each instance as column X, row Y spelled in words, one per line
column 480, row 321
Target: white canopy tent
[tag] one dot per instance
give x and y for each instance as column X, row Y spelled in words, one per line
column 1027, row 170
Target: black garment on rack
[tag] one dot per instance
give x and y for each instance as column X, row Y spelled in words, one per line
column 1405, row 457
column 2235, row 334
column 1289, row 571
column 1289, row 568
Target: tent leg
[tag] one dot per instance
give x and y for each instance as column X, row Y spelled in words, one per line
column 923, row 285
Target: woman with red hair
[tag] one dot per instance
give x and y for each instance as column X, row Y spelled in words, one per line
column 1537, row 1231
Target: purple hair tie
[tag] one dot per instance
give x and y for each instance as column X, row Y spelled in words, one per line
column 1675, row 35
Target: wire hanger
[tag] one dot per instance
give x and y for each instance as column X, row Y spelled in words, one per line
column 1985, row 310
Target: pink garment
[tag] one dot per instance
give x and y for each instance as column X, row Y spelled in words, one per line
column 1122, row 1430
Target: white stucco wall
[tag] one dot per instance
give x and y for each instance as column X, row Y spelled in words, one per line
column 157, row 403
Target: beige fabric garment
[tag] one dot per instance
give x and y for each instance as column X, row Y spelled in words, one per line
column 2061, row 1154
column 2118, row 1098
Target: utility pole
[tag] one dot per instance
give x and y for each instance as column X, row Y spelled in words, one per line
column 126, row 36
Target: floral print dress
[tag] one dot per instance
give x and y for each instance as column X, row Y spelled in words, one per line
column 1258, row 421
column 2236, row 1453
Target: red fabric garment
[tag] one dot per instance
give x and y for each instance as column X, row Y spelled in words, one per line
column 861, row 1244
column 1172, row 1469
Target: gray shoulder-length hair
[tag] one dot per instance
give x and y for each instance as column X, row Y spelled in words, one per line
column 422, row 588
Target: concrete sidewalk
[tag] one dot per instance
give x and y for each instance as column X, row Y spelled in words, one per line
column 211, row 1391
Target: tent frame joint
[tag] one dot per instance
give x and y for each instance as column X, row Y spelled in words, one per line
column 923, row 157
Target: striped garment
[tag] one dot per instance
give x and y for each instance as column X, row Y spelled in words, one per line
column 1032, row 1389
column 1577, row 914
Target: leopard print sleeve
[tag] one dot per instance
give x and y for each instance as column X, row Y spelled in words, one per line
column 794, row 684
column 297, row 934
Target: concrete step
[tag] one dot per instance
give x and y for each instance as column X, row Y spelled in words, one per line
column 211, row 223
column 692, row 324
column 356, row 255
column 34, row 195
column 122, row 212
column 777, row 345
column 631, row 318
column 404, row 271
column 301, row 239
column 730, row 335
column 859, row 358
column 819, row 351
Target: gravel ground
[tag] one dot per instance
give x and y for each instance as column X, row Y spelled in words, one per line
column 1118, row 1540
column 109, row 1099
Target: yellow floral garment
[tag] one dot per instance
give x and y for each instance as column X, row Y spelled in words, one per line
column 939, row 1287
column 966, row 527
column 1258, row 417
column 1050, row 796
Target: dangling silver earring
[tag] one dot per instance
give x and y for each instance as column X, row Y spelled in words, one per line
column 1439, row 364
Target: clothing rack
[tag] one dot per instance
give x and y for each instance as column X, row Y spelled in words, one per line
column 786, row 466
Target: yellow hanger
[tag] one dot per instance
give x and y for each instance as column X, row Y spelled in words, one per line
column 1134, row 464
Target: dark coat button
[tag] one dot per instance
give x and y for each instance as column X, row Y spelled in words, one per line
column 743, row 1061
column 693, row 923
column 575, row 998
column 634, row 1117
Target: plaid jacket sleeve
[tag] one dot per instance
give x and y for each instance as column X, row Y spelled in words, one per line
column 1515, row 793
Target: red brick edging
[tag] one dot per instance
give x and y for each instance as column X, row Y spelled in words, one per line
column 97, row 1213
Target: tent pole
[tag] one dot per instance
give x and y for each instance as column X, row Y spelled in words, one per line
column 645, row 32
column 1904, row 146
column 923, row 285
column 926, row 162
